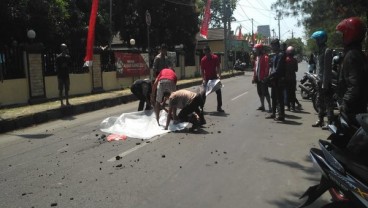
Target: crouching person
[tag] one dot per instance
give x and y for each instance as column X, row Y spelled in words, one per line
column 190, row 104
column 142, row 89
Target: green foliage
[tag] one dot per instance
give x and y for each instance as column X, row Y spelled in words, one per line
column 174, row 22
column 55, row 21
column 298, row 45
column 322, row 14
column 217, row 11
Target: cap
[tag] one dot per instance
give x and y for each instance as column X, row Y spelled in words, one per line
column 207, row 48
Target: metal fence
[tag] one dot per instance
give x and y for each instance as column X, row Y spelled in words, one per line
column 49, row 62
column 11, row 62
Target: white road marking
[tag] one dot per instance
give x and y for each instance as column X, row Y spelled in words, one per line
column 133, row 149
column 239, row 96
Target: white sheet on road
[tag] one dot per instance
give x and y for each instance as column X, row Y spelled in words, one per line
column 140, row 125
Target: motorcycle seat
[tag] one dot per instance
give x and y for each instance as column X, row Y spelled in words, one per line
column 355, row 166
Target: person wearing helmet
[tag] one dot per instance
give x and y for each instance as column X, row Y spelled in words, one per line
column 260, row 72
column 353, row 87
column 291, row 67
column 320, row 37
column 277, row 77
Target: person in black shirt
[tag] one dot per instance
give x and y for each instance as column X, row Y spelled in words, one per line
column 142, row 89
column 63, row 63
column 277, row 80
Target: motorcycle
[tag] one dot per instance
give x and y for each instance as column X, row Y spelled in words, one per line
column 240, row 66
column 344, row 170
column 308, row 85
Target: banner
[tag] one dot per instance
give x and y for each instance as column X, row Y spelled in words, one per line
column 91, row 34
column 130, row 64
column 206, row 20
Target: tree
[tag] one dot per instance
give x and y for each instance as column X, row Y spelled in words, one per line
column 321, row 14
column 217, row 11
column 174, row 22
column 298, row 45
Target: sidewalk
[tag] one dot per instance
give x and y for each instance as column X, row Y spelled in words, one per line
column 25, row 116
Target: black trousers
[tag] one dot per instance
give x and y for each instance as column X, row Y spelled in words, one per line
column 219, row 98
column 277, row 96
column 194, row 106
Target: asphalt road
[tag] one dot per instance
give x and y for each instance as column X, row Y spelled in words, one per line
column 240, row 159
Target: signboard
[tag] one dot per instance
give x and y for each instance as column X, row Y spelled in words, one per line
column 130, row 64
column 172, row 57
column 238, row 45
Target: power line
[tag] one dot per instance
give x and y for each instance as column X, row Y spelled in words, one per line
column 263, row 4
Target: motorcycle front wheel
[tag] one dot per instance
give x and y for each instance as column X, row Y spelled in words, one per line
column 303, row 93
column 338, row 204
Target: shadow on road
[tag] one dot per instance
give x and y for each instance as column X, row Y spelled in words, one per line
column 215, row 113
column 35, row 136
column 290, row 116
column 285, row 202
column 289, row 122
column 68, row 118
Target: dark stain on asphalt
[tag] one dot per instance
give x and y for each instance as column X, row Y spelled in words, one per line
column 118, row 157
column 163, row 156
column 54, row 204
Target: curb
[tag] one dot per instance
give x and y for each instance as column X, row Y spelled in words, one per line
column 7, row 125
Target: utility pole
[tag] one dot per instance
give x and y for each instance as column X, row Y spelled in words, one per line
column 278, row 18
column 292, row 34
column 224, row 5
column 110, row 26
column 252, row 33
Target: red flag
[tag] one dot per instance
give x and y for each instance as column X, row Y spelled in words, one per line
column 240, row 35
column 91, row 34
column 206, row 20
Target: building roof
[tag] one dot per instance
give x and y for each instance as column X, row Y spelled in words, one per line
column 213, row 34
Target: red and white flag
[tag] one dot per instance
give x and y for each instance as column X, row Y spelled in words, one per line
column 91, row 34
column 206, row 20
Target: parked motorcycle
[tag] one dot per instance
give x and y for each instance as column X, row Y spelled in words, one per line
column 308, row 85
column 240, row 66
column 344, row 170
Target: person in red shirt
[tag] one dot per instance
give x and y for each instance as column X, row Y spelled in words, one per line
column 164, row 82
column 291, row 67
column 210, row 68
column 261, row 71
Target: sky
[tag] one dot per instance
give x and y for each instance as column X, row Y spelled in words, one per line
column 261, row 13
